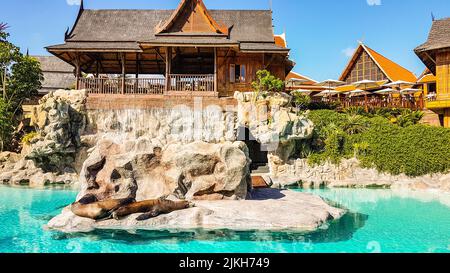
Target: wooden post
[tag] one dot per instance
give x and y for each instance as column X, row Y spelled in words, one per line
column 215, row 72
column 168, row 67
column 365, row 102
column 136, row 83
column 122, row 57
column 77, row 70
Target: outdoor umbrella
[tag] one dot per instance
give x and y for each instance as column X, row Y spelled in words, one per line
column 358, row 92
column 328, row 92
column 330, row 84
column 291, row 82
column 410, row 91
column 366, row 84
column 302, row 91
column 399, row 84
column 387, row 91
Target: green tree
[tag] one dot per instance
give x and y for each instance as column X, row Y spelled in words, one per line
column 266, row 82
column 20, row 75
column 6, row 124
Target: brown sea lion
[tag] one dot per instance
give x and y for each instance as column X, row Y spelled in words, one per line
column 90, row 207
column 150, row 208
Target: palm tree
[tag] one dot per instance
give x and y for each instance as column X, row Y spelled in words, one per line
column 355, row 124
column 3, row 26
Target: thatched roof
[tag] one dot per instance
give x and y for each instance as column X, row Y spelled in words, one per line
column 57, row 74
column 439, row 38
column 126, row 29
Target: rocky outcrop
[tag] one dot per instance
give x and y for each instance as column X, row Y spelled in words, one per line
column 266, row 209
column 349, row 173
column 193, row 171
column 51, row 157
column 61, row 119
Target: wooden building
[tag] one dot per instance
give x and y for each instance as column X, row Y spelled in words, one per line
column 367, row 64
column 57, row 74
column 189, row 51
column 435, row 54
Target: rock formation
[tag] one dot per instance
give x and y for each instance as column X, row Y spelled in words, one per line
column 266, row 209
column 51, row 157
column 194, row 171
column 350, row 174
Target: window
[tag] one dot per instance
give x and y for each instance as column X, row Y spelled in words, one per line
column 238, row 73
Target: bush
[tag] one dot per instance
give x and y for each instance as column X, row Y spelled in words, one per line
column 414, row 150
column 26, row 139
column 6, row 125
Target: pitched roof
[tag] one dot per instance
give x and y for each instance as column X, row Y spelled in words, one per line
column 426, row 77
column 57, row 74
column 295, row 75
column 439, row 36
column 53, row 64
column 130, row 27
column 200, row 6
column 392, row 70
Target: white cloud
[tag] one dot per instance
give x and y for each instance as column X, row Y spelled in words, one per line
column 349, row 51
column 77, row 2
column 374, row 2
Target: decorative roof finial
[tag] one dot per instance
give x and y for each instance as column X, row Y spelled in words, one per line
column 81, row 5
column 28, row 52
column 432, row 17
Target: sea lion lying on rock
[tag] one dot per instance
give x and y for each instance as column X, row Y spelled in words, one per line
column 90, row 207
column 151, row 208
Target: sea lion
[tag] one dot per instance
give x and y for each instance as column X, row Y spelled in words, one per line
column 151, row 208
column 90, row 207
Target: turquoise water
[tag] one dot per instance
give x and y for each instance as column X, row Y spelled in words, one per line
column 379, row 221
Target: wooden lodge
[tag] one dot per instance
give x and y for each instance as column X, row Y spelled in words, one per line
column 367, row 64
column 189, row 51
column 435, row 54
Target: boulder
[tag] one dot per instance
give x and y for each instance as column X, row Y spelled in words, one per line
column 193, row 171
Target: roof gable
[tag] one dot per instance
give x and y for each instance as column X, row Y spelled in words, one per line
column 191, row 16
column 389, row 69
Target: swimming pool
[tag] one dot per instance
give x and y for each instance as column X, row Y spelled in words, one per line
column 379, row 221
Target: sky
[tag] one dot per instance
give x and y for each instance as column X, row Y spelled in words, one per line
column 322, row 34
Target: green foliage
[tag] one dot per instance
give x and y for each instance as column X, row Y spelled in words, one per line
column 20, row 75
column 266, row 82
column 355, row 110
column 404, row 147
column 301, row 101
column 6, row 125
column 408, row 118
column 26, row 139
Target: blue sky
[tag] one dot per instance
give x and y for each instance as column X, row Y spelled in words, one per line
column 321, row 33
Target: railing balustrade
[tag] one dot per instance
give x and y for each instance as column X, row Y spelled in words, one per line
column 149, row 86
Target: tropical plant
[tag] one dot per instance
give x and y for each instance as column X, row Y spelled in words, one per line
column 301, row 101
column 408, row 118
column 355, row 111
column 355, row 124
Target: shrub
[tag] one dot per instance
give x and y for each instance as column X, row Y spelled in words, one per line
column 26, row 139
column 301, row 101
column 414, row 150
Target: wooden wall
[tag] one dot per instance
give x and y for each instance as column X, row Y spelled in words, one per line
column 253, row 62
column 443, row 72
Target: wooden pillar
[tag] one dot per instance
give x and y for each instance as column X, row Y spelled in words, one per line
column 365, row 103
column 168, row 67
column 77, row 71
column 122, row 58
column 215, row 72
column 447, row 118
column 136, row 81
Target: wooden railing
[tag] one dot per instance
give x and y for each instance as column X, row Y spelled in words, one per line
column 414, row 103
column 191, row 83
column 149, row 86
column 438, row 97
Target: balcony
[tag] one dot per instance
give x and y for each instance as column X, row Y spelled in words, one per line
column 173, row 85
column 438, row 101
